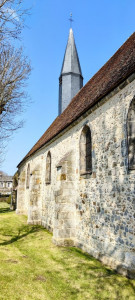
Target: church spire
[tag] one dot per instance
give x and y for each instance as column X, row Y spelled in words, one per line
column 70, row 80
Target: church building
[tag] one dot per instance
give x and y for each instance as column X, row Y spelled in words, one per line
column 78, row 180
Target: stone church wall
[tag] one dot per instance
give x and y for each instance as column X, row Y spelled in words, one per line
column 95, row 212
column 22, row 199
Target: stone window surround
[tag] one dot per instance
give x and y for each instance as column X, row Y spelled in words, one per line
column 85, row 171
column 131, row 135
column 48, row 168
column 28, row 176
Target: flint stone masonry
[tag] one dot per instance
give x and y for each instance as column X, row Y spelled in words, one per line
column 94, row 212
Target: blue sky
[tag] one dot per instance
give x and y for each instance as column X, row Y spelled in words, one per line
column 100, row 28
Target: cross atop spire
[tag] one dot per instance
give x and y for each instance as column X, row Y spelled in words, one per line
column 71, row 20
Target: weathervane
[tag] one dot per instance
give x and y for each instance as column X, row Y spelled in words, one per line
column 71, row 20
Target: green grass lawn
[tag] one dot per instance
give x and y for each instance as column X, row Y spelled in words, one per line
column 31, row 267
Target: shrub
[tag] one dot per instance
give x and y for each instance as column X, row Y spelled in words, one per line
column 8, row 199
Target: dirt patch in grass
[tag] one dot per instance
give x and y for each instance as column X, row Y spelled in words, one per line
column 11, row 261
column 40, row 278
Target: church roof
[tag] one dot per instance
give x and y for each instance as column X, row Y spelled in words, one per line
column 71, row 62
column 120, row 66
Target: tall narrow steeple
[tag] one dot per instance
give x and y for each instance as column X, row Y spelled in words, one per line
column 71, row 79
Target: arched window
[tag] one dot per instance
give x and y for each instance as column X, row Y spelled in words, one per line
column 48, row 168
column 131, row 135
column 85, row 151
column 28, row 177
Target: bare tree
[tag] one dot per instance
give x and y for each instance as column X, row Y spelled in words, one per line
column 14, row 69
column 12, row 16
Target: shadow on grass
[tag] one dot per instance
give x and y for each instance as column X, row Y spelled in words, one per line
column 97, row 280
column 89, row 266
column 5, row 210
column 22, row 232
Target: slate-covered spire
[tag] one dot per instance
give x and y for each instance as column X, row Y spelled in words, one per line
column 70, row 80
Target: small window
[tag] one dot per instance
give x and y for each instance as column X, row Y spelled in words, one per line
column 59, row 169
column 28, row 177
column 48, row 169
column 85, row 151
column 131, row 135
